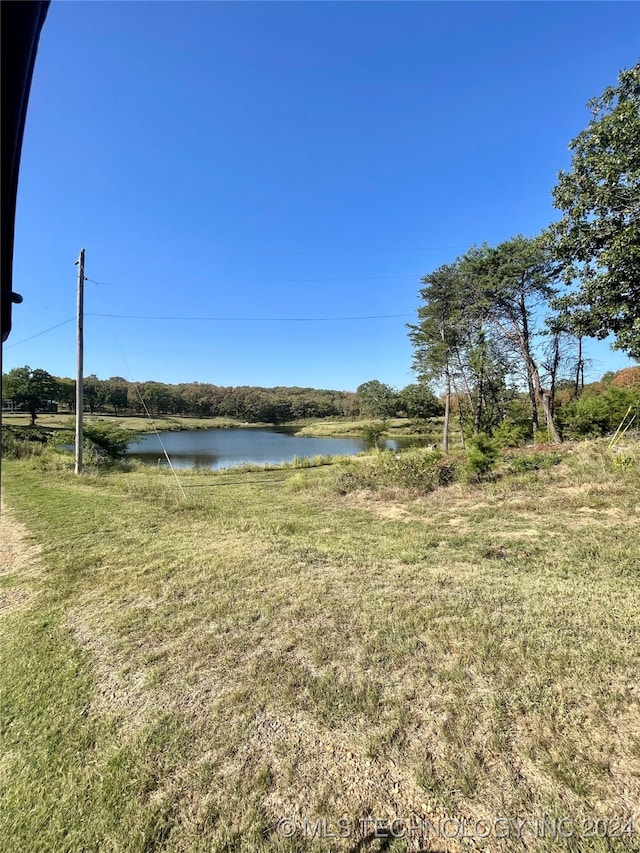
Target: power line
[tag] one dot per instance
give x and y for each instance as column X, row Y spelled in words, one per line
column 252, row 319
column 153, row 424
column 215, row 319
column 309, row 252
column 286, row 280
column 43, row 332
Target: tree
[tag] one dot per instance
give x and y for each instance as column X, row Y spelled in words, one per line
column 117, row 395
column 435, row 337
column 516, row 282
column 598, row 237
column 66, row 392
column 628, row 377
column 31, row 388
column 377, row 399
column 156, row 396
column 419, row 401
column 92, row 392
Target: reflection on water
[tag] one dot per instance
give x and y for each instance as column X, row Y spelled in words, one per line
column 228, row 448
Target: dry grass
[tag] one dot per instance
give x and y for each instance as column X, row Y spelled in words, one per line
column 140, row 423
column 261, row 652
column 395, row 428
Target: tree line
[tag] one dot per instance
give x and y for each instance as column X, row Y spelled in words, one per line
column 502, row 322
column 32, row 389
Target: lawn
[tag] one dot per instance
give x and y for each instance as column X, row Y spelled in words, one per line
column 268, row 658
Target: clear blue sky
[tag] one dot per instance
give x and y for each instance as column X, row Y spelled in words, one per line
column 270, row 160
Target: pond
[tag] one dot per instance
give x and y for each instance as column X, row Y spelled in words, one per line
column 228, row 448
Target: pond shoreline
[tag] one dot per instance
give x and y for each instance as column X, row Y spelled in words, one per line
column 216, row 449
column 315, row 428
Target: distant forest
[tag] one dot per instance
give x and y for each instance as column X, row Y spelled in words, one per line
column 200, row 399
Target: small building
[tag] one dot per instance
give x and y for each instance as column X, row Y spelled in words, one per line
column 47, row 408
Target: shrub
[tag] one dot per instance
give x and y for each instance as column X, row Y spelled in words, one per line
column 416, row 471
column 597, row 413
column 102, row 444
column 542, row 436
column 297, row 483
column 22, row 443
column 109, row 438
column 482, row 455
column 372, row 432
column 522, row 463
column 511, row 434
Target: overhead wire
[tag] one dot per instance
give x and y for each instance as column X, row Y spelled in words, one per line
column 235, row 281
column 43, row 332
column 250, row 319
column 307, row 252
column 155, row 429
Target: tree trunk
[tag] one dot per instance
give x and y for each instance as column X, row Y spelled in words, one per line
column 543, row 397
column 461, row 421
column 548, row 413
column 447, row 414
column 554, row 373
column 579, row 367
column 525, row 348
column 477, row 420
column 533, row 403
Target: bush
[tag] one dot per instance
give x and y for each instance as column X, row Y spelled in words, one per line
column 297, row 483
column 102, row 444
column 511, row 434
column 109, row 438
column 542, row 436
column 482, row 455
column 596, row 414
column 416, row 471
column 372, row 432
column 22, row 443
column 522, row 463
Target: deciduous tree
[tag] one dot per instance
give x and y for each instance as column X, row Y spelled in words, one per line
column 598, row 237
column 377, row 399
column 32, row 388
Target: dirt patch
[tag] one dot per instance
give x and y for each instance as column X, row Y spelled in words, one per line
column 19, row 557
column 332, row 774
column 388, row 510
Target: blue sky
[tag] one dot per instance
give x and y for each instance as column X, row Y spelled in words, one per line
column 287, row 160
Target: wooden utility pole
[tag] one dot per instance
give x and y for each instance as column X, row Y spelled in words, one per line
column 79, row 378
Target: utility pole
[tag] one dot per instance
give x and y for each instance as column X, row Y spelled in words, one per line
column 79, row 377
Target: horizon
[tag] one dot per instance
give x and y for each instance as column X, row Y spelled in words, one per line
column 261, row 161
column 436, row 391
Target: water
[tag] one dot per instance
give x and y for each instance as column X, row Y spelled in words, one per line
column 228, row 448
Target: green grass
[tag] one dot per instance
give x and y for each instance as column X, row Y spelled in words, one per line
column 181, row 674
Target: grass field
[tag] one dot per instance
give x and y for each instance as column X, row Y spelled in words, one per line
column 141, row 423
column 395, row 428
column 210, row 673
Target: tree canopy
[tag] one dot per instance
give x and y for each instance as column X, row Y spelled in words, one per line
column 377, row 399
column 32, row 388
column 598, row 237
